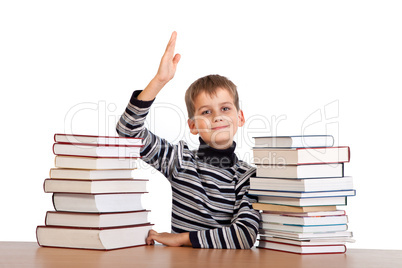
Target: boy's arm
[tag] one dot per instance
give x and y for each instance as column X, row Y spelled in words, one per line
column 166, row 71
column 242, row 233
column 156, row 151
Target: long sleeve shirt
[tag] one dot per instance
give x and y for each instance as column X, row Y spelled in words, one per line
column 209, row 201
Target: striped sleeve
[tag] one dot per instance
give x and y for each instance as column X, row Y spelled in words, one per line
column 157, row 152
column 240, row 234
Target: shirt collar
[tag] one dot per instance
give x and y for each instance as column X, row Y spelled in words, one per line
column 224, row 158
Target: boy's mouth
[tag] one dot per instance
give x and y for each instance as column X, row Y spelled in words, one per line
column 220, row 127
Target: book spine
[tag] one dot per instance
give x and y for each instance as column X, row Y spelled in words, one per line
column 343, row 170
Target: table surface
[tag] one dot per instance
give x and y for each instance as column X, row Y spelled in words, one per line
column 29, row 254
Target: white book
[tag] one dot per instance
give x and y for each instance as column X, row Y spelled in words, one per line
column 81, row 162
column 300, row 171
column 96, row 220
column 318, row 249
column 90, row 174
column 97, row 140
column 98, row 203
column 294, row 141
column 89, row 238
column 110, row 151
column 94, row 186
column 301, row 185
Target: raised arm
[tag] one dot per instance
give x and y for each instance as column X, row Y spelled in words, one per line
column 156, row 151
column 166, row 71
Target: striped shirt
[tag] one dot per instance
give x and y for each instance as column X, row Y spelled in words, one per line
column 209, row 202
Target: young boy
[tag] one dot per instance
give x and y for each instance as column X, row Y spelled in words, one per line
column 210, row 205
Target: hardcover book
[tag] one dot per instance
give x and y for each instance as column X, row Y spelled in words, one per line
column 298, row 156
column 92, row 238
column 96, row 140
column 308, row 141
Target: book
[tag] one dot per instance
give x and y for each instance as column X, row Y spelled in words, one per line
column 308, row 214
column 301, row 185
column 281, row 208
column 96, row 220
column 306, row 220
column 117, row 202
column 82, row 162
column 294, row 141
column 94, row 186
column 91, row 150
column 90, row 174
column 98, row 140
column 350, row 192
column 301, row 236
column 309, row 242
column 298, row 156
column 303, row 228
column 300, row 171
column 92, row 238
column 304, row 202
column 320, row 249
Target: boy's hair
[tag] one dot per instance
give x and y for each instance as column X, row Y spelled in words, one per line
column 209, row 84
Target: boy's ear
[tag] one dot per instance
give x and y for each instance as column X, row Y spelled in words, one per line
column 191, row 125
column 242, row 120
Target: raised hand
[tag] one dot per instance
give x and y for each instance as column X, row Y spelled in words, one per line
column 169, row 61
column 166, row 71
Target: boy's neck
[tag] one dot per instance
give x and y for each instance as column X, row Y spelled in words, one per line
column 224, row 158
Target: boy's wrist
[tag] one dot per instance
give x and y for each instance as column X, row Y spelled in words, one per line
column 152, row 90
column 185, row 239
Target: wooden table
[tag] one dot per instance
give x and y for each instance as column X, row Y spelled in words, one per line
column 29, row 254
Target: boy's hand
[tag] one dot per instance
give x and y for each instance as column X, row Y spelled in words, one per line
column 167, row 67
column 168, row 239
column 166, row 71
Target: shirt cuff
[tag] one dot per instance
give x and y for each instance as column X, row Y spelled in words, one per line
column 194, row 239
column 140, row 103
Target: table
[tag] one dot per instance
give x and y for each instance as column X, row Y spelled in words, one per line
column 29, row 254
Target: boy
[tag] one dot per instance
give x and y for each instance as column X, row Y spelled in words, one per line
column 210, row 206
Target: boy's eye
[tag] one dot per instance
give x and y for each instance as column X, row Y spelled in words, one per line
column 206, row 112
column 225, row 109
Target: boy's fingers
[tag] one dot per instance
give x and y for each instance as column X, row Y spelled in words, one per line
column 172, row 42
column 150, row 240
column 176, row 59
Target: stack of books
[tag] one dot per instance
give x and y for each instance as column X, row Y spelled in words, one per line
column 97, row 202
column 300, row 183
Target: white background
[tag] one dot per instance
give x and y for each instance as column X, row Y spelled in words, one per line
column 301, row 67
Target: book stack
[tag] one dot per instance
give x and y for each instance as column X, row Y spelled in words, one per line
column 300, row 183
column 97, row 202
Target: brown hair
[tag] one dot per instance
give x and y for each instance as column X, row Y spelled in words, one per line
column 209, row 84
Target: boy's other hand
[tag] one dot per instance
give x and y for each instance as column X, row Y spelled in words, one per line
column 169, row 61
column 168, row 239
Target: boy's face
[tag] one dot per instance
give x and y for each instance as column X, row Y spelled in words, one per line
column 216, row 118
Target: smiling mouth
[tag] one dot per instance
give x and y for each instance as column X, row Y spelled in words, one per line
column 217, row 128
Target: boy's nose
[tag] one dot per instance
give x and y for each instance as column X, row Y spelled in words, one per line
column 218, row 118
